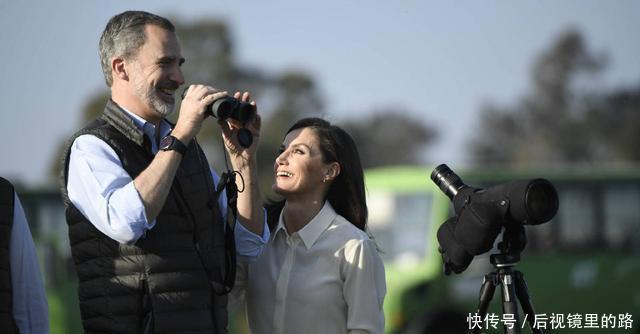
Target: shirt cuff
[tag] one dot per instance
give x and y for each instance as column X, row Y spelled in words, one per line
column 248, row 244
column 131, row 209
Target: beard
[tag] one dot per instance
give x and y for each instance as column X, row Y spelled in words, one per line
column 149, row 94
column 150, row 97
column 163, row 108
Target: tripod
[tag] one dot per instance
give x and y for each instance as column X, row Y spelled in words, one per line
column 511, row 281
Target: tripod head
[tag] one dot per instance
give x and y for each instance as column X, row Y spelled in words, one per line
column 513, row 286
column 514, row 240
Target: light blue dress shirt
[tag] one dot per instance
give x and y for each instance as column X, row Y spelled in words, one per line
column 30, row 309
column 104, row 192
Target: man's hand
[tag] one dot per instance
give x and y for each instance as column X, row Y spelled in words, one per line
column 240, row 156
column 193, row 111
column 243, row 159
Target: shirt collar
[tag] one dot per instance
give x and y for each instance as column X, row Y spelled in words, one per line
column 312, row 231
column 148, row 128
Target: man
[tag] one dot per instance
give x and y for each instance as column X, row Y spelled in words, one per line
column 146, row 226
column 23, row 303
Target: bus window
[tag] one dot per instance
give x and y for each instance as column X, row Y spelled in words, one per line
column 541, row 237
column 622, row 217
column 400, row 224
column 576, row 218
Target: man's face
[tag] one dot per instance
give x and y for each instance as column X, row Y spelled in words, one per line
column 155, row 72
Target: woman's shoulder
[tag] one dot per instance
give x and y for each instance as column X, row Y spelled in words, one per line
column 353, row 244
column 344, row 228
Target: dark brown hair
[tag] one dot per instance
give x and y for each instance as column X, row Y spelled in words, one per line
column 346, row 193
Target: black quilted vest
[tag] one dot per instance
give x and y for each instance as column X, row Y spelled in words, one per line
column 170, row 280
column 7, row 323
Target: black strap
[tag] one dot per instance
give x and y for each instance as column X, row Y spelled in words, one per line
column 228, row 182
column 230, row 244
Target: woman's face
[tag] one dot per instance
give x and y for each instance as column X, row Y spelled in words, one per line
column 299, row 169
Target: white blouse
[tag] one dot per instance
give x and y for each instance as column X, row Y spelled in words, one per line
column 327, row 278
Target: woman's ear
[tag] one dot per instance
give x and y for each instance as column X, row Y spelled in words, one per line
column 333, row 171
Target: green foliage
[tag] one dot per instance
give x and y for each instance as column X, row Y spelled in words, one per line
column 559, row 120
column 94, row 107
column 390, row 137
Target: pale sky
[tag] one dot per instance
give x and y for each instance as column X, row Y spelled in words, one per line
column 439, row 60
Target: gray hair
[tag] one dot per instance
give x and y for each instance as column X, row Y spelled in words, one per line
column 124, row 35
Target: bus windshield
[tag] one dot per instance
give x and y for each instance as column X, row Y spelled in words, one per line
column 400, row 223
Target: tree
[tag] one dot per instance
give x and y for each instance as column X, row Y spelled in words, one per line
column 615, row 118
column 559, row 121
column 390, row 137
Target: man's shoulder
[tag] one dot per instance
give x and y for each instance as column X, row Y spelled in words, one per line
column 6, row 190
column 93, row 127
column 7, row 196
column 4, row 183
column 94, row 132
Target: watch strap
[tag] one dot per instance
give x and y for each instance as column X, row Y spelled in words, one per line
column 174, row 145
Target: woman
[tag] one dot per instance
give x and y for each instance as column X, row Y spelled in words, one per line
column 320, row 272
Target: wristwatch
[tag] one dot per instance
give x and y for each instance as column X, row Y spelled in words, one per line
column 170, row 142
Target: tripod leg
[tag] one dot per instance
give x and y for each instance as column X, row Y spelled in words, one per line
column 523, row 296
column 509, row 302
column 486, row 293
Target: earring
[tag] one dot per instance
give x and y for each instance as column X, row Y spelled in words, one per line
column 325, row 179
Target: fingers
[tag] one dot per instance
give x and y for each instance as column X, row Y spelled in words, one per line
column 202, row 92
column 210, row 96
column 244, row 97
column 257, row 124
column 199, row 91
column 232, row 124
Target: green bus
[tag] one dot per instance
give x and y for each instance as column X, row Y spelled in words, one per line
column 581, row 267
